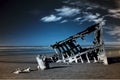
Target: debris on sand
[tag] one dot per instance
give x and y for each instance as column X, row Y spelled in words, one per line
column 17, row 71
column 27, row 70
column 43, row 62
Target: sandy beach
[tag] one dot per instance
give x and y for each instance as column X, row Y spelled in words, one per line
column 9, row 63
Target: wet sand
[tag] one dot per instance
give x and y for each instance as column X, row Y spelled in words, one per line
column 9, row 63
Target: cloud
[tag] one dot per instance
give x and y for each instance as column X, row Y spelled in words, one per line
column 89, row 8
column 91, row 18
column 86, row 10
column 77, row 19
column 115, row 13
column 114, row 10
column 118, row 39
column 86, row 3
column 64, row 21
column 113, row 43
column 67, row 11
column 105, row 12
column 107, row 27
column 117, row 16
column 66, row 1
column 51, row 18
column 103, row 22
column 115, row 32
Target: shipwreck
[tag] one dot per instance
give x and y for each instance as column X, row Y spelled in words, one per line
column 69, row 50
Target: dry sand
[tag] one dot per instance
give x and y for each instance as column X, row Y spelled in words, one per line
column 9, row 63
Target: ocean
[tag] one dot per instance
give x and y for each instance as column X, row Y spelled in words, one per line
column 26, row 50
column 110, row 50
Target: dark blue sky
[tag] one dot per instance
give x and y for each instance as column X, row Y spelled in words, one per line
column 43, row 22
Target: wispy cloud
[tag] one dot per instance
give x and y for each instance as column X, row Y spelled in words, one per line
column 114, row 10
column 106, row 13
column 51, row 18
column 115, row 32
column 112, row 43
column 118, row 39
column 86, row 3
column 89, row 8
column 115, row 13
column 64, row 21
column 107, row 28
column 85, row 9
column 91, row 17
column 77, row 19
column 67, row 11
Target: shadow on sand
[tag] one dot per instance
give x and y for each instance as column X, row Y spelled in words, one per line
column 58, row 67
column 113, row 60
column 26, row 62
column 32, row 62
